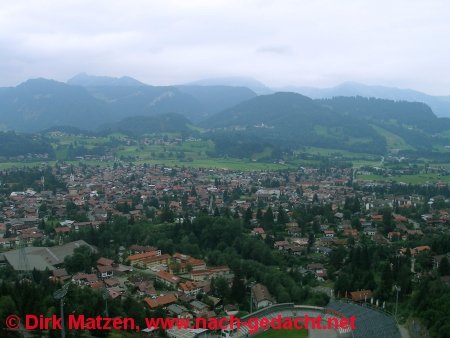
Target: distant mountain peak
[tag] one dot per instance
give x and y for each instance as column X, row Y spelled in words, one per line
column 86, row 80
column 235, row 81
column 439, row 104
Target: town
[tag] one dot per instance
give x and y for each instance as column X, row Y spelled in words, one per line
column 198, row 242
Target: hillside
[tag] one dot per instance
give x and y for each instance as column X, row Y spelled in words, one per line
column 355, row 124
column 86, row 102
column 12, row 145
column 439, row 104
column 140, row 125
column 214, row 99
column 38, row 104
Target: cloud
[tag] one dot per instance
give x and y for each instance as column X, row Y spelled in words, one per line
column 320, row 43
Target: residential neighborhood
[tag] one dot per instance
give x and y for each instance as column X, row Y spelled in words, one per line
column 309, row 219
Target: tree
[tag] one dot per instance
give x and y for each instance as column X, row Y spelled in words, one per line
column 7, row 307
column 282, row 216
column 387, row 220
column 248, row 216
column 387, row 282
column 216, row 212
column 315, row 199
column 220, row 288
column 268, row 219
column 444, row 268
column 167, row 215
column 259, row 214
column 82, row 260
column 238, row 287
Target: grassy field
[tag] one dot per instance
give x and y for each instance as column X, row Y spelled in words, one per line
column 337, row 152
column 284, row 334
column 393, row 141
column 409, row 179
column 231, row 164
column 366, row 163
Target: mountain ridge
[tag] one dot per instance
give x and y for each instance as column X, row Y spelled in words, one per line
column 439, row 104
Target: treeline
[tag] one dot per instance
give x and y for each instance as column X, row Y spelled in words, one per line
column 21, row 179
column 12, row 144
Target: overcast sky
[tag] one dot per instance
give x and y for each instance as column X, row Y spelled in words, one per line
column 403, row 43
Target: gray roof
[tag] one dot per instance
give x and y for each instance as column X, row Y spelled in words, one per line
column 33, row 261
column 177, row 309
column 42, row 258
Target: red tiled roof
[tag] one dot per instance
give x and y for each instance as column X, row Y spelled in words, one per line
column 160, row 301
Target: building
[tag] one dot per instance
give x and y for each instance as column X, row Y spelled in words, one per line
column 261, row 296
column 161, row 301
column 361, row 296
column 167, row 278
column 187, row 333
column 42, row 258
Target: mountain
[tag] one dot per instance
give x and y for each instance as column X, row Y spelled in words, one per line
column 293, row 119
column 86, row 102
column 439, row 104
column 124, row 101
column 256, row 86
column 193, row 101
column 86, row 80
column 351, row 123
column 38, row 104
column 214, row 99
column 140, row 125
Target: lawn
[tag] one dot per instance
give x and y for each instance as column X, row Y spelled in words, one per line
column 284, row 334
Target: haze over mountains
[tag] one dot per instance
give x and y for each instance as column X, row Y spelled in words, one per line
column 227, row 110
column 439, row 104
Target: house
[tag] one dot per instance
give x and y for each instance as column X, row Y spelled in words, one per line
column 351, row 233
column 137, row 249
column 199, row 308
column 359, row 296
column 281, row 245
column 85, row 278
column 146, row 289
column 179, row 311
column 190, row 288
column 160, row 301
column 212, row 272
column 416, row 250
column 111, row 282
column 183, row 263
column 167, row 278
column 437, row 260
column 394, row 235
column 105, row 271
column 323, row 250
column 60, row 275
column 261, row 296
column 105, row 261
column 187, row 333
column 259, row 232
column 370, row 231
column 139, row 257
column 149, row 260
column 318, row 270
column 329, row 233
column 97, row 285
